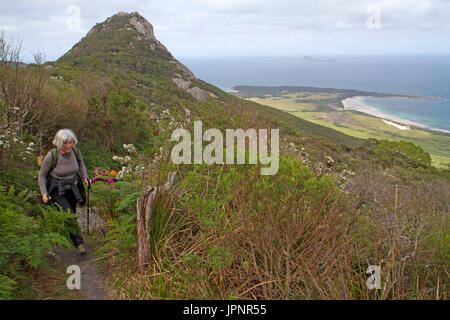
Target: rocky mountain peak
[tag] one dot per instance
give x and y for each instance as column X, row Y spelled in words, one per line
column 127, row 41
column 142, row 25
column 127, row 21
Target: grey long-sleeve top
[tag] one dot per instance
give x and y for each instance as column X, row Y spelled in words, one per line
column 66, row 167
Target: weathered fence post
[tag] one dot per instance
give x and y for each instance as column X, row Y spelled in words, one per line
column 144, row 207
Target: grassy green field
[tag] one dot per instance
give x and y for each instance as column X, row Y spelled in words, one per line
column 319, row 108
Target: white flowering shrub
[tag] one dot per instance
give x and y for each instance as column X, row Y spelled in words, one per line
column 130, row 148
column 122, row 160
column 326, row 167
column 343, row 177
column 131, row 164
column 14, row 148
column 329, row 160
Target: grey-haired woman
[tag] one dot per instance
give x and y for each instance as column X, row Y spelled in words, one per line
column 59, row 183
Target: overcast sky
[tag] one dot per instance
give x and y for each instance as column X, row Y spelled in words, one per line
column 242, row 27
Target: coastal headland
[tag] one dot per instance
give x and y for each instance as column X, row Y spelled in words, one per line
column 345, row 111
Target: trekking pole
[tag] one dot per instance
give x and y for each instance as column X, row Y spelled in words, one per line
column 88, row 208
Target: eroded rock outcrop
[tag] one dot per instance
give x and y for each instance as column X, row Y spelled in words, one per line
column 197, row 92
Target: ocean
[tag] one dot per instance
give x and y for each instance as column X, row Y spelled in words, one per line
column 411, row 75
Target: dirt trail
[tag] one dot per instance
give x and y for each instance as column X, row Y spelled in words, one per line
column 92, row 285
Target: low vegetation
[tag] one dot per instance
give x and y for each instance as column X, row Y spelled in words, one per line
column 337, row 204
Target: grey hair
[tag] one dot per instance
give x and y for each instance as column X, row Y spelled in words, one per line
column 64, row 135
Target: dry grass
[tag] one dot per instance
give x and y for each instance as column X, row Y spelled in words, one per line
column 298, row 252
column 404, row 228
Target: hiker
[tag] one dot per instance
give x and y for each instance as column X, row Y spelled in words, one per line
column 59, row 181
column 101, row 174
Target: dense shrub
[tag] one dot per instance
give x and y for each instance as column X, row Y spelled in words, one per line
column 402, row 153
column 26, row 239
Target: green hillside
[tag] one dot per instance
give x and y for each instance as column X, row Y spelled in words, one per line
column 337, row 203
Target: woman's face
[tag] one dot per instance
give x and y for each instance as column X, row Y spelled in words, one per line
column 67, row 146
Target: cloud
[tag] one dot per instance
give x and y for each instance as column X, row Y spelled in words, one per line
column 230, row 27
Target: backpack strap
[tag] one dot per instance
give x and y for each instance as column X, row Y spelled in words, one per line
column 77, row 153
column 54, row 159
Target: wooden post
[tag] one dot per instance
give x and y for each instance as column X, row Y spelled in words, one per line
column 142, row 228
column 144, row 208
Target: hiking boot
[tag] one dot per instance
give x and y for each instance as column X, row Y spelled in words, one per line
column 81, row 249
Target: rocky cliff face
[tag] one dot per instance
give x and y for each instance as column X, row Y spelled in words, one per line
column 142, row 26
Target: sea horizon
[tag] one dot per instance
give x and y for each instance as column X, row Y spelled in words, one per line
column 416, row 75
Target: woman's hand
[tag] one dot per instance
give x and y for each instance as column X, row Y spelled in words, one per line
column 45, row 197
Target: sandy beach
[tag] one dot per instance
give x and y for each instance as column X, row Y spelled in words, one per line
column 395, row 124
column 357, row 104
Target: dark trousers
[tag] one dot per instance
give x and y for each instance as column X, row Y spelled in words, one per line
column 68, row 202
